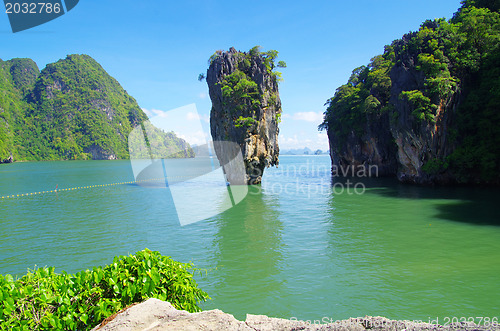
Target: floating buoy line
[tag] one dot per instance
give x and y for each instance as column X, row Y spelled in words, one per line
column 160, row 179
column 79, row 188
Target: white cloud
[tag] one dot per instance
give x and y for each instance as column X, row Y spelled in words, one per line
column 202, row 95
column 288, row 141
column 322, row 135
column 147, row 112
column 190, row 116
column 322, row 141
column 154, row 112
column 195, row 138
column 309, row 116
column 197, row 117
column 293, row 142
column 184, row 121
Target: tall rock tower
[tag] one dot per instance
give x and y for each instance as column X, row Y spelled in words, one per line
column 246, row 108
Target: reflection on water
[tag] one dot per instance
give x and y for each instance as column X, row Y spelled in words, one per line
column 476, row 205
column 249, row 254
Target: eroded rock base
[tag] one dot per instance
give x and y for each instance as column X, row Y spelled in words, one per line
column 155, row 314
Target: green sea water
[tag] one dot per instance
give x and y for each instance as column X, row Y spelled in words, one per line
column 302, row 245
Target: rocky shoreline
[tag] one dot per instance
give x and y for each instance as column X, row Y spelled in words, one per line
column 10, row 159
column 155, row 314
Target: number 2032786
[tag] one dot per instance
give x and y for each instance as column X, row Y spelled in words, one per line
column 32, row 8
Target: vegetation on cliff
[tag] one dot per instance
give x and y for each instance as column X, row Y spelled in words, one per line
column 72, row 109
column 451, row 91
column 45, row 300
column 241, row 94
column 367, row 91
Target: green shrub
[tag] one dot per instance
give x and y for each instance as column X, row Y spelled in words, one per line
column 435, row 166
column 43, row 299
column 423, row 108
column 240, row 93
column 244, row 121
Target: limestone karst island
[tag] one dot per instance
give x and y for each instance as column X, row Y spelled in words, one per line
column 246, row 107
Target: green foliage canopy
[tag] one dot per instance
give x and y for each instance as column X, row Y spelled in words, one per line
column 240, row 93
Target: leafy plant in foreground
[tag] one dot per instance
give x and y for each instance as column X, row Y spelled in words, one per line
column 43, row 299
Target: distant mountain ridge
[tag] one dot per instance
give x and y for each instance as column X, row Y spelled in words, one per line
column 72, row 109
column 303, row 151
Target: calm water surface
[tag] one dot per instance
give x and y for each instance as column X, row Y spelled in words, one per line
column 294, row 247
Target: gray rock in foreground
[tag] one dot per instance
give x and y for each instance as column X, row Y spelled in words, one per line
column 155, row 314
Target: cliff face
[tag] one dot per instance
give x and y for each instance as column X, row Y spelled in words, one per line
column 427, row 109
column 246, row 108
column 420, row 142
column 387, row 130
column 373, row 148
column 357, row 122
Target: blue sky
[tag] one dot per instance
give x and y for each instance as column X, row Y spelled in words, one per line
column 156, row 49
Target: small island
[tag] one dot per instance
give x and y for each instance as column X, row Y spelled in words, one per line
column 246, row 107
